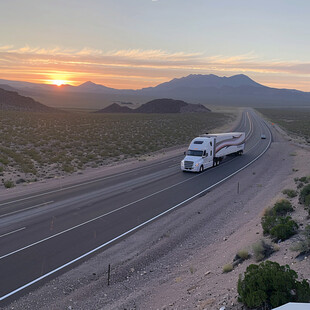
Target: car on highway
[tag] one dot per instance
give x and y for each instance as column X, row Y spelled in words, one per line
column 263, row 136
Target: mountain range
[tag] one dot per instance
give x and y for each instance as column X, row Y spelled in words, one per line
column 12, row 101
column 237, row 90
column 164, row 105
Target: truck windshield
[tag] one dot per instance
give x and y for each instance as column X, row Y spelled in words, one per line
column 194, row 153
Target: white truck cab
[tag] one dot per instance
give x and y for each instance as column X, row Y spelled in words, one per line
column 209, row 149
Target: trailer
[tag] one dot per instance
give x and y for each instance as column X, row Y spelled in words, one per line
column 208, row 150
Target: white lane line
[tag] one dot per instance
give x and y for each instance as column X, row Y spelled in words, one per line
column 96, row 218
column 12, row 232
column 134, row 228
column 36, row 206
column 105, row 214
column 81, row 184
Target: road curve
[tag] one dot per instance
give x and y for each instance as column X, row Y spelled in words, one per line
column 43, row 234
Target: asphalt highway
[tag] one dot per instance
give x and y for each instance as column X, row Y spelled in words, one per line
column 44, row 234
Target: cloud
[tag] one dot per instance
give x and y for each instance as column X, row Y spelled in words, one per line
column 141, row 68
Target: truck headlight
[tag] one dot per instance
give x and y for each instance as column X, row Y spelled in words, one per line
column 197, row 165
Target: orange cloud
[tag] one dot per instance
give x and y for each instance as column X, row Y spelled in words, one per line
column 138, row 68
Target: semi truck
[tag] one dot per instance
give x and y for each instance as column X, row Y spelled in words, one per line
column 208, row 150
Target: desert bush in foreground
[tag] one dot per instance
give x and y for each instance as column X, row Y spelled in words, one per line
column 304, row 196
column 304, row 179
column 227, row 268
column 270, row 285
column 9, row 184
column 285, row 228
column 303, row 246
column 243, row 254
column 275, row 223
column 279, row 228
column 262, row 250
column 291, row 193
column 282, row 207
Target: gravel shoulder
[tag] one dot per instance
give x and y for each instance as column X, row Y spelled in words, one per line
column 176, row 262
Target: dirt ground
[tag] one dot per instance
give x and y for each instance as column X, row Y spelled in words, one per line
column 176, row 262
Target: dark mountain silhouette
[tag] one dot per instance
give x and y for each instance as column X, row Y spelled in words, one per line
column 115, row 108
column 158, row 106
column 7, row 87
column 170, row 106
column 12, row 101
column 204, row 81
column 90, row 87
column 237, row 90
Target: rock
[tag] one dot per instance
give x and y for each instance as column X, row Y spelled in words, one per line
column 19, row 181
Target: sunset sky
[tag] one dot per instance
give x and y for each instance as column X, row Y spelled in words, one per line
column 141, row 43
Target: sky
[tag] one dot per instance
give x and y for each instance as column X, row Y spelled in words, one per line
column 141, row 43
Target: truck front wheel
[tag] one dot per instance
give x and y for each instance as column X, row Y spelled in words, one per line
column 201, row 168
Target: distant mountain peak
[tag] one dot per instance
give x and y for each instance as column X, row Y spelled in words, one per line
column 164, row 105
column 12, row 101
column 93, row 87
column 88, row 83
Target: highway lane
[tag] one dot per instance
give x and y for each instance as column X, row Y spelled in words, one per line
column 75, row 221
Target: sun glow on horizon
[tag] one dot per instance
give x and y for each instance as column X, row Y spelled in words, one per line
column 59, row 82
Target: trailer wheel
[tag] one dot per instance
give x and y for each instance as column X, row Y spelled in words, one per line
column 217, row 162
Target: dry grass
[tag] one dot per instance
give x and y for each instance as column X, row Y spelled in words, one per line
column 295, row 121
column 42, row 145
column 227, row 268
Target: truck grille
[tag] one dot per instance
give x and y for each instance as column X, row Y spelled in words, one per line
column 188, row 164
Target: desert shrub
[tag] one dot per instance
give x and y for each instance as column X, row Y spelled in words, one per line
column 303, row 246
column 300, row 185
column 9, row 184
column 268, row 222
column 243, row 254
column 1, row 169
column 275, row 224
column 228, row 268
column 304, row 196
column 285, row 228
column 267, row 211
column 282, row 207
column 303, row 179
column 54, row 137
column 291, row 193
column 262, row 250
column 68, row 168
column 4, row 160
column 270, row 285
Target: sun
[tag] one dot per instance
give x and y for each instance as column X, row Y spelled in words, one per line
column 59, row 82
